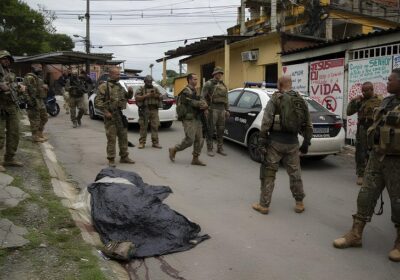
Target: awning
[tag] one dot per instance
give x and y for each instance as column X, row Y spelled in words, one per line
column 65, row 58
column 203, row 46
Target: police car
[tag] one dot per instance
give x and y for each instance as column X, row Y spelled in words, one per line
column 247, row 105
column 167, row 113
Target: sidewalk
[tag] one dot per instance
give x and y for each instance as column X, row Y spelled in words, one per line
column 44, row 232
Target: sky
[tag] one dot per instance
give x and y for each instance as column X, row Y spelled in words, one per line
column 114, row 23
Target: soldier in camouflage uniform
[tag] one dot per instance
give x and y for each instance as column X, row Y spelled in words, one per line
column 364, row 105
column 76, row 88
column 148, row 99
column 278, row 144
column 112, row 99
column 9, row 119
column 215, row 93
column 195, row 105
column 36, row 91
column 382, row 169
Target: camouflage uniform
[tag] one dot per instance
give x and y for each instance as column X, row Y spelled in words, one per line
column 282, row 146
column 192, row 123
column 148, row 113
column 37, row 113
column 215, row 93
column 365, row 109
column 76, row 89
column 114, row 101
column 382, row 168
column 9, row 118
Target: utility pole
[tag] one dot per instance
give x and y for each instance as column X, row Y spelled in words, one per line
column 87, row 38
column 243, row 17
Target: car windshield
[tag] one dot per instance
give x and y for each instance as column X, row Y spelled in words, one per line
column 315, row 107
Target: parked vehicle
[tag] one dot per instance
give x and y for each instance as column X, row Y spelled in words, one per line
column 52, row 107
column 167, row 112
column 246, row 113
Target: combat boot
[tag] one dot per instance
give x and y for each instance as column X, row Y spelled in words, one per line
column 359, row 180
column 221, row 151
column 111, row 163
column 172, row 153
column 394, row 255
column 74, row 124
column 258, row 207
column 12, row 162
column 353, row 238
column 36, row 138
column 156, row 145
column 196, row 161
column 2, row 169
column 79, row 122
column 210, row 152
column 299, row 208
column 126, row 160
column 43, row 136
column 141, row 145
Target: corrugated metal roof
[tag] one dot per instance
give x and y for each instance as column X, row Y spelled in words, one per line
column 345, row 40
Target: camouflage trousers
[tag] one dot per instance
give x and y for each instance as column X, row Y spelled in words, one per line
column 37, row 118
column 9, row 131
column 361, row 155
column 150, row 116
column 378, row 175
column 289, row 155
column 193, row 136
column 215, row 123
column 74, row 103
column 115, row 129
column 66, row 100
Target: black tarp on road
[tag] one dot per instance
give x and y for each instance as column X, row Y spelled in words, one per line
column 134, row 211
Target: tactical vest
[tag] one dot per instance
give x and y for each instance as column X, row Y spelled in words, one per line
column 384, row 134
column 114, row 96
column 185, row 111
column 8, row 78
column 40, row 91
column 366, row 111
column 152, row 101
column 291, row 112
column 219, row 94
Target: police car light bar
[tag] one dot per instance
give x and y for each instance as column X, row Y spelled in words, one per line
column 260, row 85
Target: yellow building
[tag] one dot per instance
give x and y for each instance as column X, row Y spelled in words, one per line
column 251, row 50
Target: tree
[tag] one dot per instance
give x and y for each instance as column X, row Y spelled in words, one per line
column 26, row 31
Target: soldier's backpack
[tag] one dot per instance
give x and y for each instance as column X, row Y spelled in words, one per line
column 291, row 112
column 181, row 109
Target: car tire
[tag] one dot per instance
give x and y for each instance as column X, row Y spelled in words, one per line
column 252, row 146
column 166, row 124
column 92, row 114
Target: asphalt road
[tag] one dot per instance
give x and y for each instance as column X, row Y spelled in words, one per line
column 243, row 244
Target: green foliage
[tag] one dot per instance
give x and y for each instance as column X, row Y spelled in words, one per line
column 26, row 31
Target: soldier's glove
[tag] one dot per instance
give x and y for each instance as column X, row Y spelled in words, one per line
column 304, row 148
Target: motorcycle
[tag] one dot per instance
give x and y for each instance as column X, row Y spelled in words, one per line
column 52, row 107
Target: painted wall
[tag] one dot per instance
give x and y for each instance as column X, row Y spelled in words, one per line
column 268, row 46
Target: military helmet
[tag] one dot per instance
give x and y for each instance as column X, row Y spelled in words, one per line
column 148, row 78
column 4, row 53
column 218, row 70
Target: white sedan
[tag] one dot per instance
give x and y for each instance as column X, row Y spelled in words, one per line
column 167, row 112
column 246, row 113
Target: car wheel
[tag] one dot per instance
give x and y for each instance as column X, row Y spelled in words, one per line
column 252, row 146
column 166, row 124
column 318, row 157
column 92, row 114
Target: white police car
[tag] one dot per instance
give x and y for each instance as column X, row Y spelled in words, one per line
column 247, row 105
column 167, row 113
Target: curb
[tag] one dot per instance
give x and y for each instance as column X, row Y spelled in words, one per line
column 78, row 207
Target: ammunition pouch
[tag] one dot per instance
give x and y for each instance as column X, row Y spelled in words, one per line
column 266, row 172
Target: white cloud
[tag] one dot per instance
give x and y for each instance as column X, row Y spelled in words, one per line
column 114, row 23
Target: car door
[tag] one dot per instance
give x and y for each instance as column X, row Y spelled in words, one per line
column 247, row 109
column 230, row 126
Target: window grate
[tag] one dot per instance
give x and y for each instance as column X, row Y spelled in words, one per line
column 375, row 52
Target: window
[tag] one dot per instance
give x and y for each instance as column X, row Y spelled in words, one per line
column 271, row 73
column 247, row 100
column 314, row 106
column 232, row 97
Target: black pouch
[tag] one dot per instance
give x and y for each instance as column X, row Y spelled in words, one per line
column 124, row 120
